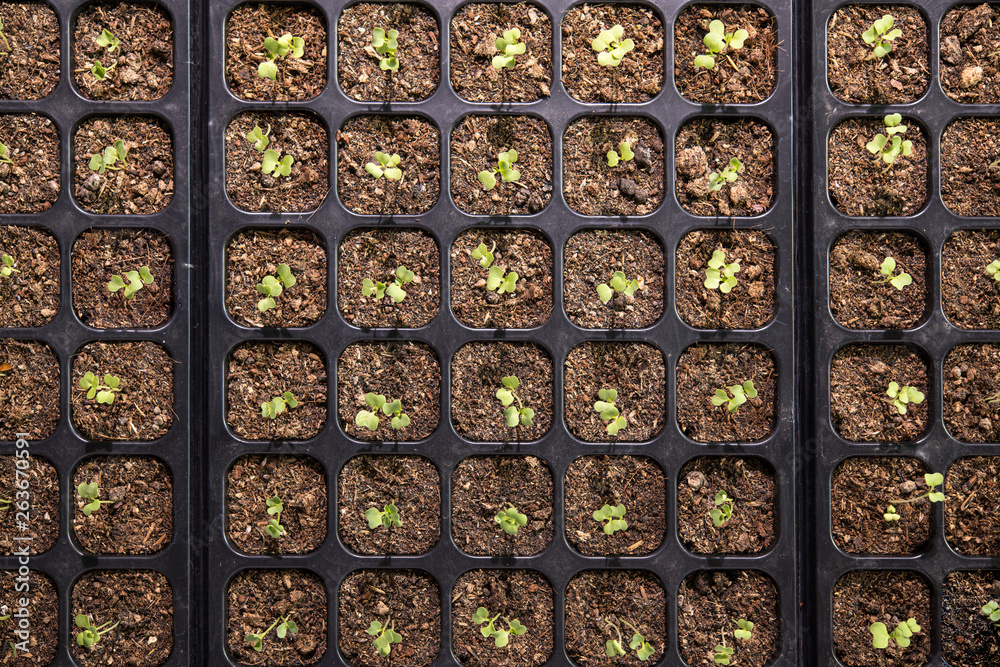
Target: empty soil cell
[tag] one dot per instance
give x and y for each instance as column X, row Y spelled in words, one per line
column 592, row 257
column 29, row 67
column 29, row 180
column 42, row 495
column 376, row 253
column 404, row 371
column 484, row 486
column 709, row 602
column 297, row 79
column 598, row 605
column 304, row 137
column 140, row 66
column 633, row 187
column 257, row 598
column 740, row 76
column 142, row 602
column 968, row 75
column 418, row 52
column 408, row 601
column 411, row 483
column 703, row 369
column 752, row 302
column 522, row 595
column 971, row 524
column 476, row 143
column 968, row 638
column 864, row 597
column 860, row 409
column 139, row 519
column 859, row 183
column 525, row 252
column 40, row 611
column 477, row 372
column 970, row 172
column 970, row 297
column 856, row 76
column 474, row 31
column 32, row 295
column 418, row 144
column 255, row 253
column 101, row 254
column 971, row 397
column 637, row 482
column 29, row 390
column 861, row 297
column 749, row 482
column 639, row 75
column 861, row 490
column 637, row 371
column 300, row 483
column 259, row 372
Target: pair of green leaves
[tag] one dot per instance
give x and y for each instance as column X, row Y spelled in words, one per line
column 889, row 146
column 7, row 269
column 385, row 165
column 385, row 45
column 729, row 174
column 623, row 154
column 279, row 48
column 271, row 409
column 880, row 35
column 723, row 510
column 500, row 637
column 719, row 275
column 509, row 48
column 900, row 397
column 716, row 40
column 91, row 491
column 284, row 626
column 91, row 633
column 5, row 154
column 991, row 610
column 504, row 167
column 272, row 287
column 369, row 419
column 271, row 161
column 614, row 516
column 740, row 394
column 385, row 635
column 510, row 519
column 507, row 395
column 609, row 412
column 136, row 279
column 393, row 289
column 610, row 46
column 992, row 269
column 387, row 517
column 100, row 162
column 104, row 392
column 887, row 268
column 901, row 635
column 274, row 509
column 619, row 283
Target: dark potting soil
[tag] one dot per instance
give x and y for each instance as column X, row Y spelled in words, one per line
column 29, row 68
column 43, row 510
column 970, row 297
column 971, row 524
column 970, row 172
column 43, row 617
column 971, row 400
column 29, row 183
column 968, row 75
column 31, row 296
column 30, row 388
column 968, row 638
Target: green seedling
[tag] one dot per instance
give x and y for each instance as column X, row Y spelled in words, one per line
column 993, row 270
column 5, row 504
column 4, row 38
column 723, row 510
column 509, row 48
column 993, row 398
column 500, row 637
column 100, row 162
column 282, row 626
column 91, row 492
column 387, row 517
column 484, row 256
column 103, row 391
column 614, row 516
column 369, row 418
column 393, row 289
column 719, row 275
column 385, row 635
column 716, row 41
column 991, row 610
column 5, row 154
column 510, row 519
column 623, row 154
column 272, row 287
column 514, row 416
column 271, row 161
column 112, row 44
column 744, row 629
column 613, row 648
column 900, row 397
column 279, row 48
column 271, row 409
column 259, row 138
column 740, row 392
column 887, row 269
column 7, row 268
column 90, row 634
column 387, row 165
column 505, row 162
column 932, row 480
column 719, row 178
column 136, row 279
column 722, row 653
column 496, row 279
column 610, row 46
column 609, row 412
column 274, row 508
column 385, row 45
column 889, row 146
column 901, row 635
column 619, row 283
column 880, row 35
column 890, row 514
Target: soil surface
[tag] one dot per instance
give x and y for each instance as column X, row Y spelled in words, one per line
column 740, row 76
column 591, row 258
column 901, row 76
column 634, row 481
column 751, row 304
column 970, row 183
column 418, row 53
column 258, row 372
column 376, row 253
column 29, row 389
column 300, row 135
column 860, row 410
column 477, row 371
column 404, row 371
column 971, row 393
column 43, row 510
column 709, row 602
column 483, row 486
column 703, row 369
column 522, row 595
column 100, row 254
column 30, row 182
column 141, row 600
column 595, row 599
column 408, row 601
column 144, row 185
column 140, row 518
column 591, row 187
column 29, row 68
column 141, row 68
column 859, row 297
column 255, row 253
column 300, row 483
column 863, row 597
column 972, row 526
column 970, row 66
column 749, row 482
column 411, row 483
column 637, row 371
column 474, row 31
column 862, row 488
column 297, row 79
column 970, row 297
column 639, row 76
column 256, row 598
column 418, row 144
column 43, row 612
column 524, row 252
column 31, row 297
column 968, row 639
column 476, row 143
